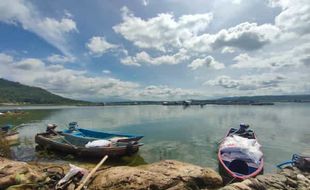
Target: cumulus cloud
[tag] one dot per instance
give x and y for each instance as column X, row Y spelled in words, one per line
column 245, row 36
column 78, row 84
column 98, row 45
column 295, row 57
column 249, row 82
column 29, row 64
column 208, row 61
column 63, row 81
column 52, row 30
column 5, row 59
column 295, row 15
column 164, row 92
column 144, row 58
column 162, row 32
column 56, row 58
column 228, row 50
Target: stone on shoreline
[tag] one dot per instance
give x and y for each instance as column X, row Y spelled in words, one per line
column 168, row 174
column 290, row 178
column 15, row 173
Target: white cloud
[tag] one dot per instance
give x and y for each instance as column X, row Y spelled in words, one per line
column 249, row 82
column 163, row 92
column 245, row 36
column 98, row 45
column 29, row 64
column 144, row 58
column 52, row 30
column 236, row 2
column 295, row 15
column 106, row 71
column 56, row 58
column 5, row 59
column 228, row 50
column 261, row 84
column 163, row 32
column 145, row 2
column 295, row 57
column 64, row 81
column 78, row 84
column 208, row 62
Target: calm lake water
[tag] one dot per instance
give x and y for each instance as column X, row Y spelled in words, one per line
column 172, row 132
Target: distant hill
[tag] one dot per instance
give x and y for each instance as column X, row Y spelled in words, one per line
column 14, row 92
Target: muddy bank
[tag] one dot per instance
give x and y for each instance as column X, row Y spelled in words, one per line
column 167, row 174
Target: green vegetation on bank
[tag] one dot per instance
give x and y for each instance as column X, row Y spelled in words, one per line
column 16, row 93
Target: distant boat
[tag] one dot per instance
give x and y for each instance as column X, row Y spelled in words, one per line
column 60, row 143
column 239, row 155
column 75, row 133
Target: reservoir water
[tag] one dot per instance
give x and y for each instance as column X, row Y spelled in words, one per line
column 173, row 132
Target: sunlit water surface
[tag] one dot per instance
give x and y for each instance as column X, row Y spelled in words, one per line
column 172, row 132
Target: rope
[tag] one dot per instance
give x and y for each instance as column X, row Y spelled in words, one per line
column 292, row 161
column 231, row 181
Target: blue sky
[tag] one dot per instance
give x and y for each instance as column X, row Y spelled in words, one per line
column 157, row 49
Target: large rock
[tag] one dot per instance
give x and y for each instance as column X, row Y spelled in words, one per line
column 290, row 178
column 167, row 174
column 15, row 173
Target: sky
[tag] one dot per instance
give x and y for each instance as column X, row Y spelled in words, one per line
column 107, row 50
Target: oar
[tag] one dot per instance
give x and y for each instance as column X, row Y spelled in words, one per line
column 63, row 138
column 92, row 172
column 18, row 126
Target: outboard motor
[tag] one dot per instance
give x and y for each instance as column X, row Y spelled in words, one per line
column 72, row 126
column 243, row 128
column 51, row 128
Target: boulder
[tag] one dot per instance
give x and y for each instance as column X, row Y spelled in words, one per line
column 290, row 178
column 168, row 174
column 15, row 173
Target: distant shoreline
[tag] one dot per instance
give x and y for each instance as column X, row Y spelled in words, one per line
column 16, row 106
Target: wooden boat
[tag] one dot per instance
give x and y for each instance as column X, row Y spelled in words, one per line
column 62, row 144
column 10, row 135
column 75, row 133
column 236, row 165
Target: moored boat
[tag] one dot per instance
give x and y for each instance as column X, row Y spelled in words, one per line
column 239, row 155
column 60, row 143
column 76, row 133
column 10, row 135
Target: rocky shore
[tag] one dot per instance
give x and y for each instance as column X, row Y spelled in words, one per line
column 167, row 174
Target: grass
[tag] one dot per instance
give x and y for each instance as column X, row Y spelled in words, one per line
column 5, row 150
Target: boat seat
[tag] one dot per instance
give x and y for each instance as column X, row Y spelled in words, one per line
column 79, row 134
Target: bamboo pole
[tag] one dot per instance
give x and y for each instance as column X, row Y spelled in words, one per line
column 63, row 138
column 92, row 172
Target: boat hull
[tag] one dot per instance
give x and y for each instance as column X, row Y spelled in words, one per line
column 230, row 176
column 12, row 137
column 44, row 140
